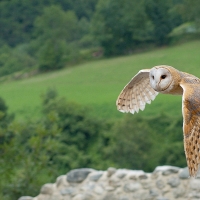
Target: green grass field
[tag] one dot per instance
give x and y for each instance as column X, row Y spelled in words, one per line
column 98, row 83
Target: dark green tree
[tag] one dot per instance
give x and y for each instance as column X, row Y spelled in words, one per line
column 14, row 59
column 82, row 134
column 83, row 9
column 17, row 17
column 55, row 30
column 120, row 25
column 190, row 11
column 56, row 23
column 163, row 20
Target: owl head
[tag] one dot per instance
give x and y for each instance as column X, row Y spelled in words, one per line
column 162, row 78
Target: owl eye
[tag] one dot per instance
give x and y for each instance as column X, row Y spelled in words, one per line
column 163, row 76
column 152, row 77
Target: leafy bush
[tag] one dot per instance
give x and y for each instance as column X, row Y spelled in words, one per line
column 55, row 32
column 14, row 60
column 68, row 136
column 141, row 143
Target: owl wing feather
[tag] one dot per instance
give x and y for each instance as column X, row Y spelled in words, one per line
column 191, row 122
column 136, row 93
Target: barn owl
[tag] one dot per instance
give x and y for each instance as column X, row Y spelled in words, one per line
column 145, row 86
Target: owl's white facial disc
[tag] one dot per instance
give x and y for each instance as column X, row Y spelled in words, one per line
column 160, row 79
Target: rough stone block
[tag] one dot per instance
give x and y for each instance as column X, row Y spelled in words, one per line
column 165, row 183
column 111, row 171
column 132, row 187
column 184, row 173
column 25, row 198
column 47, row 188
column 173, row 181
column 96, row 176
column 78, row 175
column 167, row 169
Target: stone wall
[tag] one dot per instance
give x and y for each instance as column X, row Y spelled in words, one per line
column 165, row 183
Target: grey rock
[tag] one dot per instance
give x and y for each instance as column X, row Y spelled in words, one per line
column 123, row 198
column 146, row 184
column 143, row 176
column 167, row 167
column 195, row 184
column 154, row 192
column 160, row 184
column 167, row 170
column 98, row 189
column 154, row 175
column 89, row 186
column 81, row 197
column 162, row 198
column 134, row 174
column 198, row 174
column 194, row 195
column 111, row 171
column 114, row 181
column 140, row 195
column 132, row 187
column 121, row 175
column 133, row 177
column 179, row 192
column 47, row 189
column 85, row 196
column 110, row 188
column 184, row 173
column 89, row 196
column 25, row 198
column 53, row 197
column 96, row 176
column 110, row 197
column 78, row 175
column 61, row 180
column 68, row 191
column 173, row 181
column 166, row 190
column 146, row 196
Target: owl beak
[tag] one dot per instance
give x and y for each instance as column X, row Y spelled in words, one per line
column 157, row 86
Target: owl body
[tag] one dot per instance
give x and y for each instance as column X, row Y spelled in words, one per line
column 145, row 86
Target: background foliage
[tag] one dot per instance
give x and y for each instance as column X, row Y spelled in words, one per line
column 68, row 136
column 61, row 134
column 68, row 32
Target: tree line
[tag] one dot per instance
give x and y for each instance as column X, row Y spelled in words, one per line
column 69, row 136
column 49, row 34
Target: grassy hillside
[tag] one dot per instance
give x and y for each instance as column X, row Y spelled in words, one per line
column 98, row 83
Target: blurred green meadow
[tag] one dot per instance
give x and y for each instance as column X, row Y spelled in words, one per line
column 97, row 84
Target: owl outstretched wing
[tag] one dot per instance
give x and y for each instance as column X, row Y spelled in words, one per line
column 136, row 93
column 191, row 123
